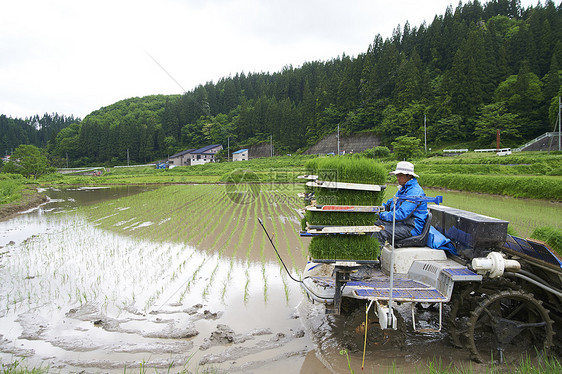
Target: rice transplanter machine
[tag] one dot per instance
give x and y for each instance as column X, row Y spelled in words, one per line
column 498, row 288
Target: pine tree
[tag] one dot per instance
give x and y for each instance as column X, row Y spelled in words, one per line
column 552, row 79
column 409, row 81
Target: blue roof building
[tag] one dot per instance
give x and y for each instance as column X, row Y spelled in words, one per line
column 241, row 155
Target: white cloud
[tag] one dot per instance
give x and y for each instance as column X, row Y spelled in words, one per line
column 73, row 57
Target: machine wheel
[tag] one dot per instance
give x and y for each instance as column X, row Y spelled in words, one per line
column 466, row 299
column 462, row 302
column 507, row 324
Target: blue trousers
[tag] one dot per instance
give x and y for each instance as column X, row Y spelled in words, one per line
column 402, row 229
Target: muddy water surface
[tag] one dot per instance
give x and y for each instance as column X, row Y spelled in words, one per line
column 181, row 277
column 85, row 286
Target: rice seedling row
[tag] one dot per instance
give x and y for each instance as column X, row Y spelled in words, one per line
column 170, row 215
column 243, row 216
column 276, row 239
column 226, row 229
column 211, row 282
column 294, row 203
column 235, row 219
column 74, row 270
column 287, row 242
column 209, row 221
column 227, row 211
column 192, row 221
column 288, row 208
column 284, row 213
column 261, row 203
column 246, row 217
column 202, row 218
column 196, row 199
column 249, row 248
column 226, row 282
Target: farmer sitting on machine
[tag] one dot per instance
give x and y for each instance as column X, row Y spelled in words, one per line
column 410, row 216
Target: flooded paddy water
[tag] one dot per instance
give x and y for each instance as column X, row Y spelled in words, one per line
column 177, row 278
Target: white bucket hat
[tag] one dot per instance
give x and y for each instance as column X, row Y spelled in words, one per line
column 405, row 167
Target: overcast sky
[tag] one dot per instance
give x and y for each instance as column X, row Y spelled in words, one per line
column 74, row 56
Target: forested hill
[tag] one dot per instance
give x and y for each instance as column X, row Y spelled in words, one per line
column 38, row 131
column 472, row 70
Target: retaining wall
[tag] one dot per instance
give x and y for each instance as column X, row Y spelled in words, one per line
column 352, row 143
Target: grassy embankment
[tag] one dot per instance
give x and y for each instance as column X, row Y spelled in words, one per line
column 530, row 175
column 16, row 196
column 11, row 186
column 276, row 169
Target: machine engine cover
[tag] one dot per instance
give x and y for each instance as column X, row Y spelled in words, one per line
column 473, row 234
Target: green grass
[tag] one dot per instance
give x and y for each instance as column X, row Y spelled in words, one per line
column 540, row 168
column 19, row 367
column 10, row 188
column 525, row 366
column 543, row 187
column 551, row 365
column 549, row 235
column 491, row 158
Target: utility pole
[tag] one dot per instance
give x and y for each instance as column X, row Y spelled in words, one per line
column 271, row 143
column 559, row 123
column 127, row 156
column 425, row 132
column 338, row 139
column 228, row 152
column 67, row 160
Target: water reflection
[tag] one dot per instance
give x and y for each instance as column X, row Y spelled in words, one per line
column 75, row 296
column 82, row 196
column 33, row 222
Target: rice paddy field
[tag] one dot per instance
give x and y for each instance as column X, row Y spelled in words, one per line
column 166, row 278
column 182, row 278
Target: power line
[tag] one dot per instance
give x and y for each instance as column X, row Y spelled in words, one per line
column 166, row 71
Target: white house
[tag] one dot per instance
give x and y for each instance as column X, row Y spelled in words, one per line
column 241, row 155
column 195, row 156
column 204, row 155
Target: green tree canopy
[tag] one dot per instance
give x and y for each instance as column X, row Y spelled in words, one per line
column 453, row 70
column 406, row 147
column 28, row 161
column 495, row 117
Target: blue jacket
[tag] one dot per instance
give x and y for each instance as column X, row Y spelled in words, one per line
column 405, row 208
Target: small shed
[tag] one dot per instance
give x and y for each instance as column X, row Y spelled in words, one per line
column 241, row 155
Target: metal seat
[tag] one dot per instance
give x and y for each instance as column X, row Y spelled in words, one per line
column 418, row 240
